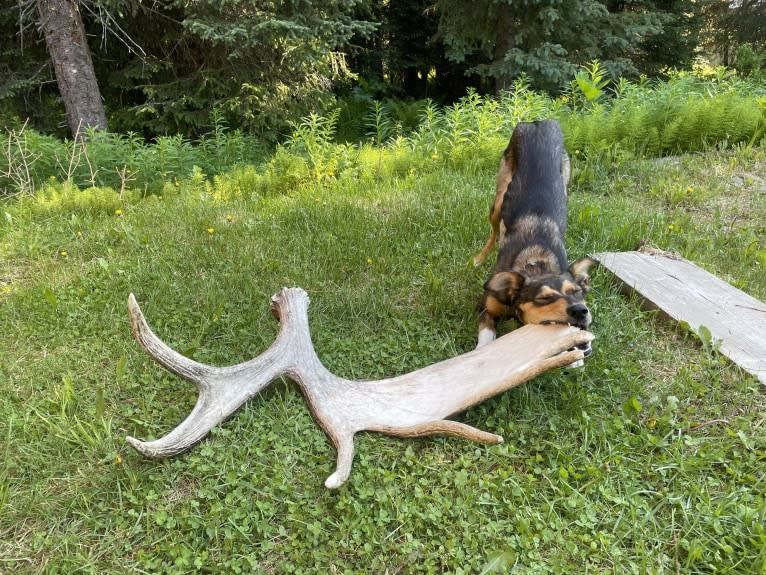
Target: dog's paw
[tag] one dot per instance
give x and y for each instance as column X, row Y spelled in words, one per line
column 485, row 336
column 586, row 349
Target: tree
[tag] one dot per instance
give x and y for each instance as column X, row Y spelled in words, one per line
column 676, row 44
column 179, row 66
column 67, row 44
column 254, row 63
column 403, row 58
column 46, row 43
column 731, row 24
column 22, row 64
column 543, row 39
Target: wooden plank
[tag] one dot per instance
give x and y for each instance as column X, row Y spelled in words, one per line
column 685, row 292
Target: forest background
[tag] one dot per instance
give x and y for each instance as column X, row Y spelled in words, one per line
column 183, row 67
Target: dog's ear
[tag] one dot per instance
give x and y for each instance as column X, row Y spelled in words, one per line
column 505, row 286
column 579, row 271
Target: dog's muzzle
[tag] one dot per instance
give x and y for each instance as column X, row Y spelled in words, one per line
column 579, row 315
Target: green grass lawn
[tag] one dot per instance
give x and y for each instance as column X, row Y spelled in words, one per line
column 650, row 459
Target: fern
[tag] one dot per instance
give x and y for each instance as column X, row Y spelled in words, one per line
column 647, row 118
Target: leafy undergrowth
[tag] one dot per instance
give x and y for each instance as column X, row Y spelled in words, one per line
column 648, row 460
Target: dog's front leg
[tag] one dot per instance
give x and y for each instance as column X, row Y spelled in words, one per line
column 491, row 309
column 487, row 330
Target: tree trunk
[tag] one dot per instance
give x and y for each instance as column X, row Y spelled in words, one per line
column 67, row 45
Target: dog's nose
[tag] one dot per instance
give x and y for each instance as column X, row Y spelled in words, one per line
column 577, row 311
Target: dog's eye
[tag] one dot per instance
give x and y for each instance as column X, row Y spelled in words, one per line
column 545, row 299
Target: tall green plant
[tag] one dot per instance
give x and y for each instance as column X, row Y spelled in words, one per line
column 379, row 124
column 684, row 113
column 646, row 118
column 313, row 138
column 589, row 83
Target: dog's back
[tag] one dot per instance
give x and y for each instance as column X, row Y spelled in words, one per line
column 534, row 207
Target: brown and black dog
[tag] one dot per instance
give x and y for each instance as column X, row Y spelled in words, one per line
column 532, row 280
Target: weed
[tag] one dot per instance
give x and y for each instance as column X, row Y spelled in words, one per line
column 590, row 83
column 313, row 139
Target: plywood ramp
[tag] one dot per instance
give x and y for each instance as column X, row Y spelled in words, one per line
column 685, row 292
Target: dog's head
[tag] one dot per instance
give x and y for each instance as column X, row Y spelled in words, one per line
column 540, row 298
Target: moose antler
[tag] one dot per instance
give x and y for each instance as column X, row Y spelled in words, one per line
column 410, row 405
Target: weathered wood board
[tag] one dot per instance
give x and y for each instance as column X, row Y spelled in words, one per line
column 688, row 293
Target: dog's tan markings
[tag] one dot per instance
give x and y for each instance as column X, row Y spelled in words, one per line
column 495, row 308
column 579, row 271
column 581, row 266
column 502, row 235
column 527, row 225
column 534, row 313
column 531, row 224
column 492, row 308
column 504, row 286
column 569, row 288
column 504, row 177
column 528, row 228
column 547, row 293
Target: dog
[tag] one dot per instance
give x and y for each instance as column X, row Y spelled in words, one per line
column 532, row 279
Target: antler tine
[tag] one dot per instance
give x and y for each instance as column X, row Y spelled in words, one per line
column 182, row 366
column 222, row 390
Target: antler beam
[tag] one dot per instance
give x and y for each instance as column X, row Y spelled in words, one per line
column 410, row 405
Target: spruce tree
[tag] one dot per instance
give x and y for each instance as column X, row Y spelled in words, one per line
column 676, row 46
column 546, row 40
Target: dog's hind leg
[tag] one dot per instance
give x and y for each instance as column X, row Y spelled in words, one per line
column 479, row 259
column 504, row 176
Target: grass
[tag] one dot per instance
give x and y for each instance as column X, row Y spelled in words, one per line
column 648, row 460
